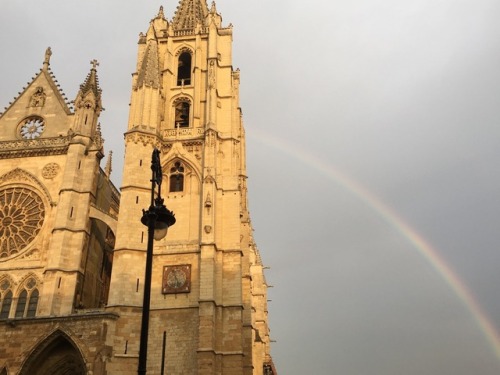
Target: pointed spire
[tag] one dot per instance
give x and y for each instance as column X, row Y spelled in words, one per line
column 92, row 82
column 161, row 15
column 108, row 168
column 189, row 13
column 149, row 73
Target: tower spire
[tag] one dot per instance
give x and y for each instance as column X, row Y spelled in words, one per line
column 189, row 13
column 91, row 83
column 88, row 103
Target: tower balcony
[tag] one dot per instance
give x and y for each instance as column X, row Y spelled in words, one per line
column 182, row 133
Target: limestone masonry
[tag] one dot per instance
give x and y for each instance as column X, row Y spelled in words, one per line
column 73, row 249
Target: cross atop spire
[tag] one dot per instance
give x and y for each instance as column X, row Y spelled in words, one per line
column 92, row 81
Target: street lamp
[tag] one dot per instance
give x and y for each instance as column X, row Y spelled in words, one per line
column 157, row 218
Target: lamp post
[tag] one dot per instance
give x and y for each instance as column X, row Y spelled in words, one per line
column 157, row 218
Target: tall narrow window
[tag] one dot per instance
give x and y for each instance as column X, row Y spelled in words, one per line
column 182, row 114
column 32, row 304
column 184, row 69
column 6, row 302
column 177, row 178
column 21, row 304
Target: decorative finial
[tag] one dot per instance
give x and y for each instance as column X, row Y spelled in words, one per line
column 46, row 61
column 95, row 64
column 160, row 13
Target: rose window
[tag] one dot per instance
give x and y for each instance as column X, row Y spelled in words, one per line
column 21, row 218
column 32, row 127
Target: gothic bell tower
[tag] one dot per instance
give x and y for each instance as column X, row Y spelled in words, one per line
column 208, row 291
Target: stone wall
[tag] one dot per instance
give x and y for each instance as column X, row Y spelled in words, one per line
column 23, row 341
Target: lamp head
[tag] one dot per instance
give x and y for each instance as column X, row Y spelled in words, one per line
column 163, row 219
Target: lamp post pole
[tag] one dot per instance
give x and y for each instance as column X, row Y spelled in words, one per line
column 157, row 218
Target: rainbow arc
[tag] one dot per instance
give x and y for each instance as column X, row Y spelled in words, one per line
column 393, row 219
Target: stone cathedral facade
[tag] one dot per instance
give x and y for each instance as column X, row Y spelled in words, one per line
column 72, row 247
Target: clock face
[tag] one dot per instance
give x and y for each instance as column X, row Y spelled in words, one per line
column 32, row 127
column 176, row 279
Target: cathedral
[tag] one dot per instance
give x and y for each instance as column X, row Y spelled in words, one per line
column 72, row 245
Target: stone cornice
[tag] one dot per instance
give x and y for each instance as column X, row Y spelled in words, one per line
column 140, row 134
column 34, row 147
column 78, row 316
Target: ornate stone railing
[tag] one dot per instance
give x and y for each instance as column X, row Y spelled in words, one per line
column 183, row 132
column 34, row 147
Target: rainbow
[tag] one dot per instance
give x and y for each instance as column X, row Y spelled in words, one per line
column 425, row 249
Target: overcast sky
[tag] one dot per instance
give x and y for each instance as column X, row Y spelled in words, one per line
column 373, row 129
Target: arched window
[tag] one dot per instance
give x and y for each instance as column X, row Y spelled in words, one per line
column 5, row 303
column 176, row 177
column 33, row 303
column 27, row 302
column 182, row 114
column 184, row 69
column 21, row 304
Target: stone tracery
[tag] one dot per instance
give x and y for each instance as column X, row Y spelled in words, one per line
column 21, row 217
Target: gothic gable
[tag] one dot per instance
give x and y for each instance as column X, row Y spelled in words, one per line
column 39, row 111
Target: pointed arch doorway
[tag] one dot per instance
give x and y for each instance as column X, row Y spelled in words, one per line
column 57, row 355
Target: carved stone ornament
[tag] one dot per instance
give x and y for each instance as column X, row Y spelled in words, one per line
column 31, row 254
column 50, row 170
column 138, row 137
column 211, row 75
column 22, row 213
column 5, row 284
column 38, row 98
column 34, row 147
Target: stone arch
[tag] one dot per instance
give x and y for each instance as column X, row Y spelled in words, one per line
column 107, row 219
column 8, row 278
column 22, row 282
column 23, row 177
column 7, row 289
column 179, row 153
column 27, row 296
column 184, row 68
column 56, row 355
column 182, row 109
column 188, row 170
column 183, row 49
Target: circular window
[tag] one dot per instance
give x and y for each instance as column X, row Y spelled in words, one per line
column 32, row 127
column 21, row 217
